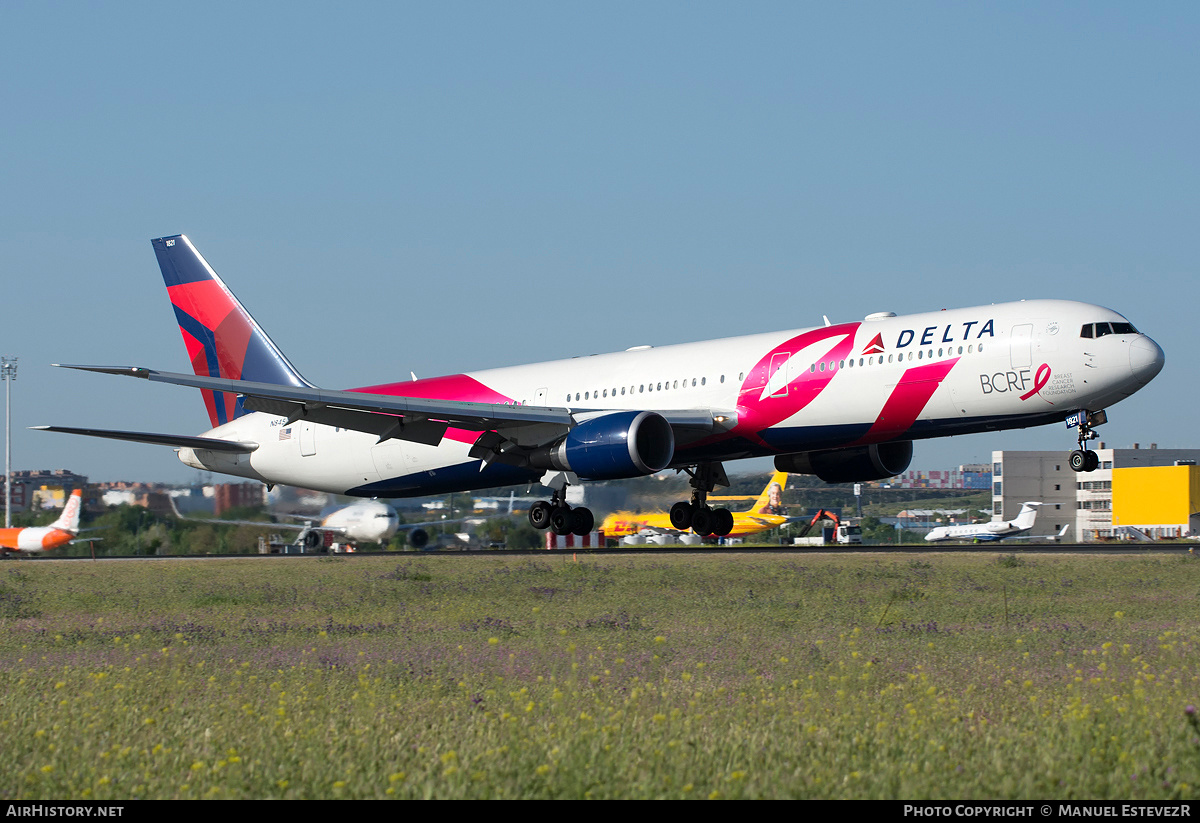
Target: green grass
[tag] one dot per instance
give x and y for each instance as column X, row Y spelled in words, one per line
column 747, row 676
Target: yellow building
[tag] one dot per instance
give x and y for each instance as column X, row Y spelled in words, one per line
column 1161, row 501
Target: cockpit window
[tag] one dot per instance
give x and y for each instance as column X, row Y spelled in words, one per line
column 1100, row 329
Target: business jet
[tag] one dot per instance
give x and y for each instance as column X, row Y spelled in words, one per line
column 841, row 401
column 995, row 530
column 43, row 538
column 766, row 513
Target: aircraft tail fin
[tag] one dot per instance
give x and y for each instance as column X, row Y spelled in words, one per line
column 68, row 521
column 221, row 337
column 764, row 504
column 1024, row 520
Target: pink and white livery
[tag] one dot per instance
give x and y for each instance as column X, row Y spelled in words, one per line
column 843, row 402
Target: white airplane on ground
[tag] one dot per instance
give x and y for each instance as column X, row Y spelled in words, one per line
column 841, row 401
column 996, row 530
column 364, row 521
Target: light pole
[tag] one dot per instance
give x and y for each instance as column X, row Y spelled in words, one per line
column 8, row 373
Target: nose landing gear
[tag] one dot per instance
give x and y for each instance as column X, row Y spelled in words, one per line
column 1082, row 460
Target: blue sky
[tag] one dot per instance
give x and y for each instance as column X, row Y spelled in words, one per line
column 443, row 187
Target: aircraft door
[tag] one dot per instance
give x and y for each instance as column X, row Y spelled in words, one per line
column 779, row 362
column 1021, row 346
column 308, row 439
column 388, row 457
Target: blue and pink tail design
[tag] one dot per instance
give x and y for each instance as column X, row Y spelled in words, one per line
column 222, row 339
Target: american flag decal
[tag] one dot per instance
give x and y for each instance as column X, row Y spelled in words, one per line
column 285, row 434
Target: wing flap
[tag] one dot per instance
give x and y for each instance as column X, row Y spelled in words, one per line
column 412, row 428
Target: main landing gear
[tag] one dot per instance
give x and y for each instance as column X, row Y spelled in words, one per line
column 557, row 516
column 696, row 513
column 1082, row 460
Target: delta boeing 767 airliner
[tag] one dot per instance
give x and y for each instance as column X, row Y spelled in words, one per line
column 842, row 401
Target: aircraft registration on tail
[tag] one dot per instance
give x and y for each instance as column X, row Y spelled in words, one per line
column 843, row 401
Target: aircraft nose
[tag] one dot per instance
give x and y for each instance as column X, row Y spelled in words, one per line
column 1146, row 359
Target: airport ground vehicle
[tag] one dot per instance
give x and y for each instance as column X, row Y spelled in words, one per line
column 841, row 533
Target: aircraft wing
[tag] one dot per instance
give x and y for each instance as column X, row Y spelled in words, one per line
column 407, row 418
column 309, row 524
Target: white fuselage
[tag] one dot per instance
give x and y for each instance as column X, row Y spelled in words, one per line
column 984, row 531
column 886, row 378
column 369, row 521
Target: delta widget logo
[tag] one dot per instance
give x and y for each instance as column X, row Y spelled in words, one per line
column 875, row 346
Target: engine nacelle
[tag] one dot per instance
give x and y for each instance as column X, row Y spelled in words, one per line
column 875, row 462
column 613, row 446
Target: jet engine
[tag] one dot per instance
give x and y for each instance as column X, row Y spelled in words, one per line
column 612, row 446
column 875, row 462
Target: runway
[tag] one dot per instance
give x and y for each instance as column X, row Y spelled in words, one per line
column 1024, row 550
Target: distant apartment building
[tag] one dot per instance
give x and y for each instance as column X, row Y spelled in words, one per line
column 976, row 476
column 40, row 488
column 235, row 495
column 1083, row 500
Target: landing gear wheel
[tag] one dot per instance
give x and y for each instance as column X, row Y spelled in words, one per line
column 722, row 522
column 560, row 520
column 1082, row 460
column 681, row 516
column 1078, row 460
column 702, row 521
column 539, row 514
column 582, row 521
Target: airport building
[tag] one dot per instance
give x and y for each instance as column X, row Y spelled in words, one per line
column 1087, row 500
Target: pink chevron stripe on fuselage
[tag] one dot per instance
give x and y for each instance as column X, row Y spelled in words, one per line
column 458, row 387
column 906, row 402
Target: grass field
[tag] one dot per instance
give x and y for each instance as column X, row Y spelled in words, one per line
column 747, row 676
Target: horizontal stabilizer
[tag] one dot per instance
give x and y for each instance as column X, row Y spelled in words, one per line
column 308, row 402
column 179, row 441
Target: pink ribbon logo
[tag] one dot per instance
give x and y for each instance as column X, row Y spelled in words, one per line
column 1039, row 381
